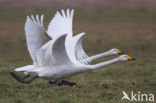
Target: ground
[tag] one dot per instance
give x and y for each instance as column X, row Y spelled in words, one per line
column 132, row 31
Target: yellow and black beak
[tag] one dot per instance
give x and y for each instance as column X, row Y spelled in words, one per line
column 119, row 52
column 131, row 58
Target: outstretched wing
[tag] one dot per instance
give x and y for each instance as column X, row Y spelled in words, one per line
column 75, row 50
column 36, row 35
column 80, row 54
column 59, row 51
column 44, row 54
column 61, row 24
column 55, row 52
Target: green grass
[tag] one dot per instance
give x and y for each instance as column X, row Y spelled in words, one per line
column 132, row 31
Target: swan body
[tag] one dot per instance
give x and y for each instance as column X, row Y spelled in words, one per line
column 65, row 71
column 38, row 40
column 67, row 67
column 56, row 54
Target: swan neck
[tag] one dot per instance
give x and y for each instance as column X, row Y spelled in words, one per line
column 98, row 56
column 99, row 65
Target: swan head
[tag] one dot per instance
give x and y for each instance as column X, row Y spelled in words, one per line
column 126, row 58
column 115, row 51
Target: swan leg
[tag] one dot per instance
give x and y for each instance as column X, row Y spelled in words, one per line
column 29, row 81
column 64, row 82
column 27, row 76
column 15, row 76
column 22, row 80
column 59, row 83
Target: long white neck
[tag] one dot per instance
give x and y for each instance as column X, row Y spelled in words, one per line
column 99, row 65
column 98, row 56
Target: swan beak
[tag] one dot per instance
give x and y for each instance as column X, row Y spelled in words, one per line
column 119, row 52
column 131, row 58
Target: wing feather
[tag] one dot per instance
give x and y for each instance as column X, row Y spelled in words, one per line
column 61, row 24
column 80, row 54
column 59, row 51
column 36, row 35
column 54, row 52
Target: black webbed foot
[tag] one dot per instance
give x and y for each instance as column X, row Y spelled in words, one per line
column 22, row 80
column 64, row 82
column 18, row 78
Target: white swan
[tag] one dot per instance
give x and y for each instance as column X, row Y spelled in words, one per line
column 37, row 36
column 64, row 66
column 40, row 49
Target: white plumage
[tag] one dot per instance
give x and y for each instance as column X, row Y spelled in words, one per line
column 36, row 36
column 56, row 54
column 62, row 24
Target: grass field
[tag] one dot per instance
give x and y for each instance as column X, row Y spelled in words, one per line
column 133, row 31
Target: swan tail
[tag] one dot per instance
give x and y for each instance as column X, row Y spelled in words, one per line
column 25, row 68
